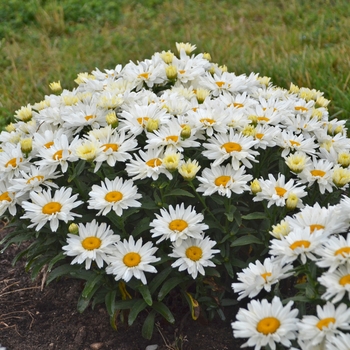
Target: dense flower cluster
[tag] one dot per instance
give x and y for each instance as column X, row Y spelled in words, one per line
column 174, row 162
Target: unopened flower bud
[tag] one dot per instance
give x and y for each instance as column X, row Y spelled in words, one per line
column 24, row 114
column 341, row 176
column 73, row 228
column 255, row 186
column 344, row 159
column 189, row 169
column 112, row 120
column 26, row 145
column 10, row 127
column 171, row 161
column 152, row 124
column 55, row 86
column 167, row 56
column 171, row 72
column 202, row 94
column 207, row 56
column 281, row 229
column 185, row 132
column 292, row 201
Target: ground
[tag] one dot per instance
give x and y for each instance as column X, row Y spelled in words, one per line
column 36, row 318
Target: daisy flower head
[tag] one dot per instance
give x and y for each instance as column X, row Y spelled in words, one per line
column 299, row 243
column 235, row 146
column 116, row 195
column 188, row 169
column 224, row 180
column 93, row 242
column 337, row 283
column 193, row 255
column 277, row 191
column 260, row 276
column 8, row 199
column 177, row 224
column 297, row 161
column 340, row 342
column 131, row 258
column 328, row 322
column 266, row 323
column 45, row 208
column 335, row 251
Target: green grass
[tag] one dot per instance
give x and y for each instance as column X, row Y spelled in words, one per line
column 307, row 43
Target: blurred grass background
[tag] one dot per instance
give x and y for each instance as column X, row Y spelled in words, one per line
column 304, row 42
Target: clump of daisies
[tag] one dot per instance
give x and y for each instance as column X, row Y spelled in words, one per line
column 174, row 173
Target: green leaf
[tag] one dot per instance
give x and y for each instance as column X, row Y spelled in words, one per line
column 62, row 270
column 142, row 225
column 179, row 192
column 54, row 260
column 139, row 305
column 146, row 295
column 148, row 325
column 254, row 216
column 90, row 285
column 79, row 168
column 229, row 269
column 163, row 310
column 110, row 302
column 170, row 284
column 245, row 240
column 124, row 304
column 83, row 303
column 158, row 279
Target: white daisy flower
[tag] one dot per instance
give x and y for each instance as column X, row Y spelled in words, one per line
column 149, row 164
column 193, row 255
column 45, row 208
column 224, row 180
column 339, row 342
column 116, row 195
column 335, row 251
column 327, row 323
column 178, row 224
column 92, row 243
column 319, row 171
column 131, row 258
column 337, row 283
column 260, row 276
column 7, row 199
column 265, row 135
column 232, row 145
column 299, row 243
column 277, row 191
column 266, row 323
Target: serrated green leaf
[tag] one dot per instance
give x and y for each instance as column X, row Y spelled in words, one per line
column 146, row 295
column 139, row 306
column 148, row 325
column 163, row 310
column 246, row 240
column 170, row 284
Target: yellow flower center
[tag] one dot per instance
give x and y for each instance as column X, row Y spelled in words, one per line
column 299, row 244
column 222, row 180
column 232, row 147
column 143, row 75
column 113, row 146
column 51, row 208
column 113, row 196
column 263, row 119
column 266, row 274
column 48, row 144
column 194, row 253
column 132, row 259
column 344, row 280
column 37, row 177
column 316, row 172
column 294, row 143
column 88, row 117
column 259, row 135
column 154, row 162
column 314, row 227
column 181, row 71
column 178, row 225
column 325, row 322
column 220, row 83
column 343, row 251
column 301, row 108
column 91, row 243
column 58, row 155
column 207, row 120
column 268, row 325
column 5, row 197
column 142, row 120
column 173, row 138
column 280, row 191
column 12, row 162
column 238, row 105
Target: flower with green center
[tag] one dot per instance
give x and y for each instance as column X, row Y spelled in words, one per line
column 266, row 323
column 116, row 195
column 177, row 224
column 193, row 255
column 132, row 259
column 315, row 330
column 44, row 208
column 91, row 242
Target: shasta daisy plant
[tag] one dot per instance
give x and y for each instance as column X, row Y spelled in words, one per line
column 175, row 180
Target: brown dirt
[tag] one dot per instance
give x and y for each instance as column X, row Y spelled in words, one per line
column 32, row 318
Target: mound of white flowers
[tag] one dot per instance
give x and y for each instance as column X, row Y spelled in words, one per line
column 173, row 174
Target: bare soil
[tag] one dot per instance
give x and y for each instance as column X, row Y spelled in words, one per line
column 36, row 318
